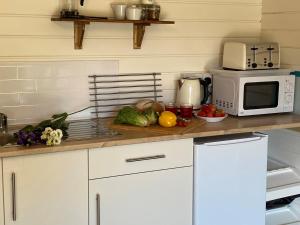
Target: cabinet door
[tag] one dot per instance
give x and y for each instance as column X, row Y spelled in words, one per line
column 160, row 198
column 48, row 189
column 1, row 197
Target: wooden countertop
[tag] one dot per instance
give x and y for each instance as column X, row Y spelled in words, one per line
column 197, row 128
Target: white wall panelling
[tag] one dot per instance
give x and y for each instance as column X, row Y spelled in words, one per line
column 200, row 29
column 280, row 22
column 194, row 43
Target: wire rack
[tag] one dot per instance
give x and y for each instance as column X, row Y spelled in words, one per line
column 109, row 93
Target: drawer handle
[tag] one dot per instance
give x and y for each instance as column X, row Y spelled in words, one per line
column 98, row 208
column 145, row 158
column 13, row 188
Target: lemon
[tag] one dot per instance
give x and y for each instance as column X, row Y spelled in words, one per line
column 167, row 119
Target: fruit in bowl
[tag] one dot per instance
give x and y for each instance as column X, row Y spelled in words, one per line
column 211, row 113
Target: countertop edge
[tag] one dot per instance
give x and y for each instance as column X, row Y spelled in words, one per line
column 130, row 136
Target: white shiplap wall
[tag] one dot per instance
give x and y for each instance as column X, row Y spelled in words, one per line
column 280, row 23
column 194, row 43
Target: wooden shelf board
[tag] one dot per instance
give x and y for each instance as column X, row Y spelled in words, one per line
column 111, row 20
column 138, row 28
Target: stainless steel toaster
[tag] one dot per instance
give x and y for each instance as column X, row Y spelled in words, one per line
column 243, row 56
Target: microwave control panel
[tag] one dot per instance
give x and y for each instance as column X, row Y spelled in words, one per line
column 289, row 90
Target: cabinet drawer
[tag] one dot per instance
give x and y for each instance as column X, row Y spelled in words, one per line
column 128, row 159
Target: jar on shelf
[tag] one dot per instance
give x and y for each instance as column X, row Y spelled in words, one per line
column 134, row 12
column 147, row 2
column 150, row 12
column 69, row 8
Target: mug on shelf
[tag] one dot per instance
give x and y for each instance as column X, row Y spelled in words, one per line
column 119, row 10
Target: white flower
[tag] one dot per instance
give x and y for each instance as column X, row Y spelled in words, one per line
column 52, row 137
column 59, row 133
column 49, row 142
column 53, row 134
column 44, row 136
column 48, row 130
column 56, row 141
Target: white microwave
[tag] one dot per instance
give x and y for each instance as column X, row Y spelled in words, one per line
column 245, row 93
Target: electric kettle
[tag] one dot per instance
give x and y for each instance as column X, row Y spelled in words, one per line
column 69, row 8
column 193, row 91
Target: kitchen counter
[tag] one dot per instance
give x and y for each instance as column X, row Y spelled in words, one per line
column 134, row 135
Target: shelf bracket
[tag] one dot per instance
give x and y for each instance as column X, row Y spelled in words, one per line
column 79, row 28
column 138, row 34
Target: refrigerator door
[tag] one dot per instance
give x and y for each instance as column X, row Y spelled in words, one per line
column 230, row 181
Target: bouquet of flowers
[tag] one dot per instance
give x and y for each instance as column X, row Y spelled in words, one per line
column 49, row 132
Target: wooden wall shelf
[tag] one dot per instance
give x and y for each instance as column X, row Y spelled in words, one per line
column 138, row 28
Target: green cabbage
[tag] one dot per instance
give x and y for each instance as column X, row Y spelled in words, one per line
column 129, row 115
column 151, row 115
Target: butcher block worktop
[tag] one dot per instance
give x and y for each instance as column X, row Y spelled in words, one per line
column 134, row 135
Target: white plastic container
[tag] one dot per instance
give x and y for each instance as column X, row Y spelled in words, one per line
column 119, row 10
column 133, row 12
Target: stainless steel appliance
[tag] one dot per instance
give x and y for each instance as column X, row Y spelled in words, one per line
column 242, row 56
column 244, row 93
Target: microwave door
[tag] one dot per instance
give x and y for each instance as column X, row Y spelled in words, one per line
column 260, row 97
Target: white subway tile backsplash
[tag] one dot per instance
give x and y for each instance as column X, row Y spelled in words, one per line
column 15, row 86
column 57, row 100
column 34, row 91
column 8, row 72
column 102, row 67
column 169, row 96
column 9, row 100
column 169, row 80
column 35, row 70
column 23, row 112
column 62, row 84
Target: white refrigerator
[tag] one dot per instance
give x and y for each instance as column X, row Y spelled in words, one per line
column 230, row 180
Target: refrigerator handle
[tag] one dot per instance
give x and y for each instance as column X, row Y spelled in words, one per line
column 236, row 141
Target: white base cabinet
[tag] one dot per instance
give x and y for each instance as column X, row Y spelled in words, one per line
column 46, row 189
column 142, row 184
column 160, row 198
column 1, row 197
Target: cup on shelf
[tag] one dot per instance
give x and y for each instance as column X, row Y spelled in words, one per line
column 186, row 111
column 134, row 12
column 119, row 10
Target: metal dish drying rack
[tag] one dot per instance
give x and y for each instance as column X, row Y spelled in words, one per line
column 108, row 94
